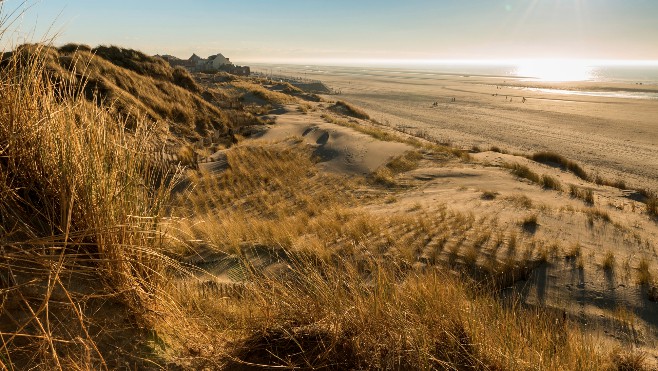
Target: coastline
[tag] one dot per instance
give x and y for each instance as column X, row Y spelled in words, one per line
column 616, row 137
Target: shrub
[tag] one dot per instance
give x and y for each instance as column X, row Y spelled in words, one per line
column 529, row 223
column 489, row 195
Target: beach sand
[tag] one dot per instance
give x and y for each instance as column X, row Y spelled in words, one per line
column 615, row 137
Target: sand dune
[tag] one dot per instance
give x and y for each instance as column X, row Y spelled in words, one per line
column 576, row 283
column 339, row 149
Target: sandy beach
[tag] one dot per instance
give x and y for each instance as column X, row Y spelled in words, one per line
column 612, row 135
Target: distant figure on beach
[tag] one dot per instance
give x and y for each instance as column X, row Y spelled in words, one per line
column 454, row 99
column 523, row 100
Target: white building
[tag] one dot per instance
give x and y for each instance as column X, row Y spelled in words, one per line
column 217, row 61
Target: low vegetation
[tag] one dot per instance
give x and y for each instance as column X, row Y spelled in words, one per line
column 376, row 133
column 652, row 205
column 80, row 205
column 349, row 110
column 385, row 175
column 584, row 194
column 263, row 94
column 544, row 180
column 134, row 85
column 552, row 158
column 608, row 261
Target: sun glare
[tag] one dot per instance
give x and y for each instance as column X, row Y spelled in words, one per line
column 554, row 70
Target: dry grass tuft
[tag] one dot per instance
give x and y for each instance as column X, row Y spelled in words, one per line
column 629, row 361
column 529, row 223
column 584, row 194
column 555, row 159
column 489, row 195
column 550, row 182
column 608, row 262
column 652, row 205
column 643, row 271
column 596, row 214
column 523, row 171
column 373, row 318
column 545, row 181
column 266, row 95
column 349, row 110
column 385, row 175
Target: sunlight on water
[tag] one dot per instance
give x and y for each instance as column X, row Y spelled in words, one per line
column 555, row 70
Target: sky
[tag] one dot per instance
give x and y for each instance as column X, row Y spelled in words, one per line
column 350, row 30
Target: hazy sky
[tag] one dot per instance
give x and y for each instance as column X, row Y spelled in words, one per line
column 296, row 30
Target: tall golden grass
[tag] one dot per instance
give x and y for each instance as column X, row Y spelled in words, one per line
column 345, row 290
column 79, row 210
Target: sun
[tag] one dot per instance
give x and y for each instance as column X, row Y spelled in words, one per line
column 554, row 70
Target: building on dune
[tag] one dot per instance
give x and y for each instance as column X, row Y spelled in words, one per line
column 214, row 63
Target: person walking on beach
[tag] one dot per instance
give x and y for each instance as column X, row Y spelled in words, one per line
column 523, row 100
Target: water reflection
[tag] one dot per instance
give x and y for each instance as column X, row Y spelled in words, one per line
column 555, row 70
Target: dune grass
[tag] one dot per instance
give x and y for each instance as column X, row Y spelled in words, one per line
column 79, row 206
column 154, row 90
column 584, row 194
column 555, row 159
column 546, row 181
column 259, row 91
column 387, row 136
column 335, row 315
column 349, row 110
column 347, row 295
column 385, row 175
column 652, row 205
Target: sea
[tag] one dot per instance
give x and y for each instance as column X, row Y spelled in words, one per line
column 640, row 79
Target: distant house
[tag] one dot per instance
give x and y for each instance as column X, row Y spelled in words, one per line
column 195, row 60
column 218, row 60
column 214, row 63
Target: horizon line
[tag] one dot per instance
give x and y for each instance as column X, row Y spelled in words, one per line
column 462, row 61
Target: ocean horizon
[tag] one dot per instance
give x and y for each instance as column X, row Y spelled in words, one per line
column 639, row 73
column 642, row 77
